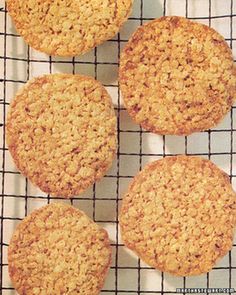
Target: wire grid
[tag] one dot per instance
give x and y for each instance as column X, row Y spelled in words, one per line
column 18, row 63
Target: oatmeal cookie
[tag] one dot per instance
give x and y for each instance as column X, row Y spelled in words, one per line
column 57, row 249
column 179, row 215
column 177, row 76
column 68, row 28
column 61, row 132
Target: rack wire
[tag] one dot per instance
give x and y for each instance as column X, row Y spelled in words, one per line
column 18, row 63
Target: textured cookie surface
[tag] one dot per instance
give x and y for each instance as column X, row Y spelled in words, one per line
column 177, row 76
column 57, row 249
column 68, row 28
column 61, row 132
column 179, row 215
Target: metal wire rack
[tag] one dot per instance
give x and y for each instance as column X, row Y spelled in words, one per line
column 18, row 63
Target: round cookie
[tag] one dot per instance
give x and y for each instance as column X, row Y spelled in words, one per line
column 179, row 215
column 68, row 28
column 57, row 249
column 177, row 76
column 61, row 132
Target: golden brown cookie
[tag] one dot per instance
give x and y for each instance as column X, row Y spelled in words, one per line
column 177, row 76
column 61, row 132
column 57, row 249
column 179, row 215
column 68, row 28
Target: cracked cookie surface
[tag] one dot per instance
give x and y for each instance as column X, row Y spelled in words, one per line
column 179, row 215
column 68, row 28
column 61, row 132
column 57, row 249
column 177, row 76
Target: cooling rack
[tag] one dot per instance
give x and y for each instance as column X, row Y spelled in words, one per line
column 128, row 275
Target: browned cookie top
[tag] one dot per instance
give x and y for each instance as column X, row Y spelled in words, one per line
column 179, row 215
column 68, row 28
column 61, row 132
column 57, row 249
column 177, row 76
